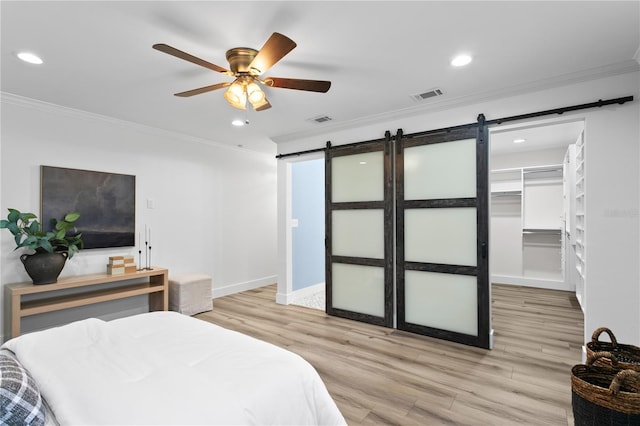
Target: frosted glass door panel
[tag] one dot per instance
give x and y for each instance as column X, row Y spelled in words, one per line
column 442, row 235
column 358, row 233
column 358, row 288
column 358, row 177
column 443, row 170
column 443, row 301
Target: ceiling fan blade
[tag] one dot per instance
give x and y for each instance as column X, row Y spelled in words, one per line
column 273, row 50
column 299, row 84
column 187, row 57
column 202, row 90
column 265, row 105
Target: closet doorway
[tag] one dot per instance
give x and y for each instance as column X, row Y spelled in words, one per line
column 533, row 199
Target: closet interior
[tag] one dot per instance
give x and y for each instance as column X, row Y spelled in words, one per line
column 537, row 194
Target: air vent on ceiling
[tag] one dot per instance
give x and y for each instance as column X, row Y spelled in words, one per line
column 426, row 95
column 321, row 119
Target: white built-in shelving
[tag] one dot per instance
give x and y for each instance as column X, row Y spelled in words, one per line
column 527, row 225
column 580, row 224
column 569, row 196
column 506, row 182
column 506, row 223
column 542, row 222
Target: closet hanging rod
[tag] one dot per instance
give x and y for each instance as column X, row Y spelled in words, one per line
column 598, row 104
column 512, row 170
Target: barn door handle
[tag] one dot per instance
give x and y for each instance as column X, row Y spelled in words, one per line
column 484, row 250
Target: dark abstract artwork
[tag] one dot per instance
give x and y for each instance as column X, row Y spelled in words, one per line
column 105, row 201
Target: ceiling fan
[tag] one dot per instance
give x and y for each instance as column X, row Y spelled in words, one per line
column 247, row 65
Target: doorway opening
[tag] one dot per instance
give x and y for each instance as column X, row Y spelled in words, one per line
column 302, row 278
column 532, row 203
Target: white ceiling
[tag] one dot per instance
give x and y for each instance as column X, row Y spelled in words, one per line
column 536, row 136
column 98, row 57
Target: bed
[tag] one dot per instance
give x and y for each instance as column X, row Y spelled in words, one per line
column 163, row 368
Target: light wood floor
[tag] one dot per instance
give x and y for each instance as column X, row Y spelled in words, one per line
column 382, row 376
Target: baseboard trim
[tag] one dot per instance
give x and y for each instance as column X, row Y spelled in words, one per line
column 243, row 286
column 288, row 298
column 533, row 282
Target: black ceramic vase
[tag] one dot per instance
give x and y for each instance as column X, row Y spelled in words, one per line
column 44, row 268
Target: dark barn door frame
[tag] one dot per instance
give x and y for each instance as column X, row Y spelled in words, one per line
column 480, row 271
column 394, row 307
column 386, row 204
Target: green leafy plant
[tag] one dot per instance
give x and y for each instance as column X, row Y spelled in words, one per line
column 28, row 233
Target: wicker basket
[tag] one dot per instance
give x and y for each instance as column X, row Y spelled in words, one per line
column 628, row 356
column 602, row 395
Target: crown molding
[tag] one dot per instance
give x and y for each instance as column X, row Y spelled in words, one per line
column 443, row 104
column 25, row 102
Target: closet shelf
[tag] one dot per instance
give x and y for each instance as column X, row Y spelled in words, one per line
column 541, row 230
column 514, row 193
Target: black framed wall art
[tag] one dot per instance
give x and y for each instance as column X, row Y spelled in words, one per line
column 105, row 201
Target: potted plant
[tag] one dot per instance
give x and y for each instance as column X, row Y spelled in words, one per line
column 52, row 248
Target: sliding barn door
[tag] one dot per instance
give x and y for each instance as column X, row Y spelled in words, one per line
column 359, row 234
column 442, row 235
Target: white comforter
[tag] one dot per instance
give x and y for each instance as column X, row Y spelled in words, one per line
column 167, row 368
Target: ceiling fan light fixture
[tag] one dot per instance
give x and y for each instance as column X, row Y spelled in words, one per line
column 259, row 106
column 246, row 65
column 236, row 95
column 255, row 94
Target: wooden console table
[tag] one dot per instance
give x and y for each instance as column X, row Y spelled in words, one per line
column 157, row 287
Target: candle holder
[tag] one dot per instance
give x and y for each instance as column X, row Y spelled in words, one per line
column 140, row 268
column 147, row 250
column 149, row 268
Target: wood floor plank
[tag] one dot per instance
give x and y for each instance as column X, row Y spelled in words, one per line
column 378, row 375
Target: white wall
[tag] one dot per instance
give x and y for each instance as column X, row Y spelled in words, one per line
column 214, row 207
column 541, row 157
column 613, row 182
column 307, row 210
column 612, row 140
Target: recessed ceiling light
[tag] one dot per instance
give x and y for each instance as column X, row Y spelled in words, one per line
column 461, row 60
column 30, row 57
column 519, row 140
column 238, row 123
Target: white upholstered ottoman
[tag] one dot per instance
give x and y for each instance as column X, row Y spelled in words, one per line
column 190, row 294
